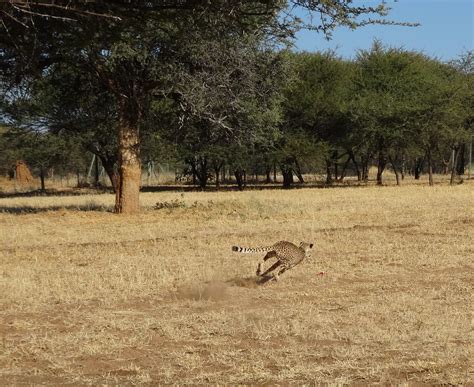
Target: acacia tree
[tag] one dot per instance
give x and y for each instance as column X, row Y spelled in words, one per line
column 315, row 103
column 88, row 116
column 298, row 151
column 135, row 47
column 441, row 114
column 387, row 93
column 231, row 98
column 42, row 151
column 464, row 67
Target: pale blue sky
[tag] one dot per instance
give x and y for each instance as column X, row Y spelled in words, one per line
column 446, row 30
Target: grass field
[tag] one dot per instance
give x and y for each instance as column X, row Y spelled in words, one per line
column 89, row 297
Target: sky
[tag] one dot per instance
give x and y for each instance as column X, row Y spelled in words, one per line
column 445, row 32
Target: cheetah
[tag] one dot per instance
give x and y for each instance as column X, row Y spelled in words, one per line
column 287, row 254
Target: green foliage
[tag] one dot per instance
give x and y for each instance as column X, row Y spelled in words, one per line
column 211, row 84
column 385, row 94
column 315, row 99
column 42, row 151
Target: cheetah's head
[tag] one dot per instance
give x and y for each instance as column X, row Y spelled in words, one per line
column 307, row 248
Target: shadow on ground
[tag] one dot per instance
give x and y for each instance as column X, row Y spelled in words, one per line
column 178, row 188
column 249, row 187
column 19, row 210
column 55, row 192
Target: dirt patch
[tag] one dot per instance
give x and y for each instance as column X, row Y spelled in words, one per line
column 247, row 282
column 211, row 291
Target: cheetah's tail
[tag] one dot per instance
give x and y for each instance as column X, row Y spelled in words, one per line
column 250, row 250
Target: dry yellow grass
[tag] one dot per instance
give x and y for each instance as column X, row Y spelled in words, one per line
column 88, row 297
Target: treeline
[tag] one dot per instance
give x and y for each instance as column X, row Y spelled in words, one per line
column 213, row 83
column 253, row 112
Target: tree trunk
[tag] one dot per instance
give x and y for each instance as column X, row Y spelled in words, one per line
column 217, row 172
column 430, row 167
column 382, row 162
column 460, row 165
column 328, row 172
column 446, row 165
column 419, row 167
column 129, row 168
column 268, row 171
column 336, row 165
column 109, row 166
column 298, row 172
column 397, row 175
column 403, row 169
column 365, row 168
column 287, row 173
column 395, row 169
column 274, row 173
column 417, row 173
column 193, row 170
column 43, row 188
column 365, row 172
column 202, row 172
column 454, row 167
column 344, row 167
column 217, row 175
column 96, row 172
column 356, row 165
column 239, row 178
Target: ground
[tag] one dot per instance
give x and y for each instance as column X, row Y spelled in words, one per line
column 89, row 297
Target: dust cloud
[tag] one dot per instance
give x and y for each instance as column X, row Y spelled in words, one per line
column 211, row 291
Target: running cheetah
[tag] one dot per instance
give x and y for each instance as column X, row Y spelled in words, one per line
column 287, row 254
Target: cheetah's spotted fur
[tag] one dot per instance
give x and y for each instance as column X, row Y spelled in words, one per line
column 287, row 254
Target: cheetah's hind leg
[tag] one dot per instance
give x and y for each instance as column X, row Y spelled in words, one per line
column 277, row 275
column 269, row 255
column 271, row 268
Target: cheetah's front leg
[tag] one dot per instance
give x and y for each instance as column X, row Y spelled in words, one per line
column 267, row 256
column 277, row 275
column 259, row 269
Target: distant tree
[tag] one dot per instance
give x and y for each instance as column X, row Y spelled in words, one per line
column 240, row 162
column 464, row 66
column 386, row 96
column 43, row 151
column 297, row 151
column 8, row 155
column 231, row 98
column 442, row 115
column 88, row 115
column 316, row 103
